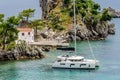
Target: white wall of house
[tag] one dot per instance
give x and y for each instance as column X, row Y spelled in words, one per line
column 26, row 36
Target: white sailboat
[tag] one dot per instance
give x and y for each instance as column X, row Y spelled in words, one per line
column 75, row 62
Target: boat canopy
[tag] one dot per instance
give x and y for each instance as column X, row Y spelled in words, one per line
column 64, row 57
column 75, row 58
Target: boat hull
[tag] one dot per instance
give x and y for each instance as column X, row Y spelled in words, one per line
column 76, row 68
column 91, row 65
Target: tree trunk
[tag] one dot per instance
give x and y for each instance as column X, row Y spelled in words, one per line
column 27, row 18
column 36, row 30
column 3, row 48
column 4, row 40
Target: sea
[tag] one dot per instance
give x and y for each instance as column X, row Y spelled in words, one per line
column 106, row 51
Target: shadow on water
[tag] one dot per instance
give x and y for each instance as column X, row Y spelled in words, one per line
column 81, row 70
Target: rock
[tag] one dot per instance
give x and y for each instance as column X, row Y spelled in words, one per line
column 102, row 30
column 111, row 28
column 99, row 33
column 46, row 49
column 15, row 55
column 46, row 6
column 78, row 38
column 44, row 35
column 6, row 55
column 116, row 14
column 30, row 53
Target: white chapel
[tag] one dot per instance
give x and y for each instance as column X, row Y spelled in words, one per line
column 26, row 34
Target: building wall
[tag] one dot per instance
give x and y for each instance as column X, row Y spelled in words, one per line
column 27, row 36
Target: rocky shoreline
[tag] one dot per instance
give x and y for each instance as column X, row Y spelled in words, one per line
column 22, row 52
column 84, row 32
column 9, row 55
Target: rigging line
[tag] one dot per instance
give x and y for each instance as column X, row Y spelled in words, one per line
column 91, row 49
column 75, row 25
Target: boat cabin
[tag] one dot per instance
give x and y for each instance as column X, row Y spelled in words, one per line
column 70, row 58
column 76, row 58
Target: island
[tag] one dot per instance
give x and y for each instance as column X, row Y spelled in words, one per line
column 23, row 38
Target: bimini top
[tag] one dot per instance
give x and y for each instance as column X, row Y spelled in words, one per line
column 75, row 58
column 64, row 57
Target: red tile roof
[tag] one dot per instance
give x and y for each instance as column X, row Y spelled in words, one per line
column 24, row 29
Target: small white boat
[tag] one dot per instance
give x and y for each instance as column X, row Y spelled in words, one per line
column 75, row 62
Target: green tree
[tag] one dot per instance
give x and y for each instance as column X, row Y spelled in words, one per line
column 1, row 17
column 26, row 14
column 8, row 31
column 106, row 16
column 90, row 13
column 36, row 24
column 55, row 22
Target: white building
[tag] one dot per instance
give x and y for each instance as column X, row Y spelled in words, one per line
column 26, row 34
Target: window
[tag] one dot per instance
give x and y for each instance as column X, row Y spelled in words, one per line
column 28, row 33
column 72, row 65
column 58, row 60
column 82, row 65
column 62, row 63
column 22, row 34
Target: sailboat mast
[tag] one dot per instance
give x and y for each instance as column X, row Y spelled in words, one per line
column 75, row 24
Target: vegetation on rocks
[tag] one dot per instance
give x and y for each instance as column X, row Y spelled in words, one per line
column 113, row 12
column 91, row 21
column 8, row 31
column 22, row 51
column 9, row 50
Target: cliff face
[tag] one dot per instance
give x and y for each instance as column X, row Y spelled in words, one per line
column 47, row 6
column 56, row 8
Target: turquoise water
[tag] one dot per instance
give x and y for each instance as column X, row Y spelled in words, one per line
column 106, row 51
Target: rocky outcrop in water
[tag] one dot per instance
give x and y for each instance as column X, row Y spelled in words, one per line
column 21, row 53
column 115, row 13
column 82, row 33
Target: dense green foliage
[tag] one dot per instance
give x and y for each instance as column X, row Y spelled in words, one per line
column 36, row 24
column 87, row 13
column 1, row 17
column 106, row 16
column 54, row 22
column 90, row 13
column 26, row 14
column 8, row 31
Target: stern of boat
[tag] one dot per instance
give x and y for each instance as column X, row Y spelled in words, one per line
column 97, row 64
